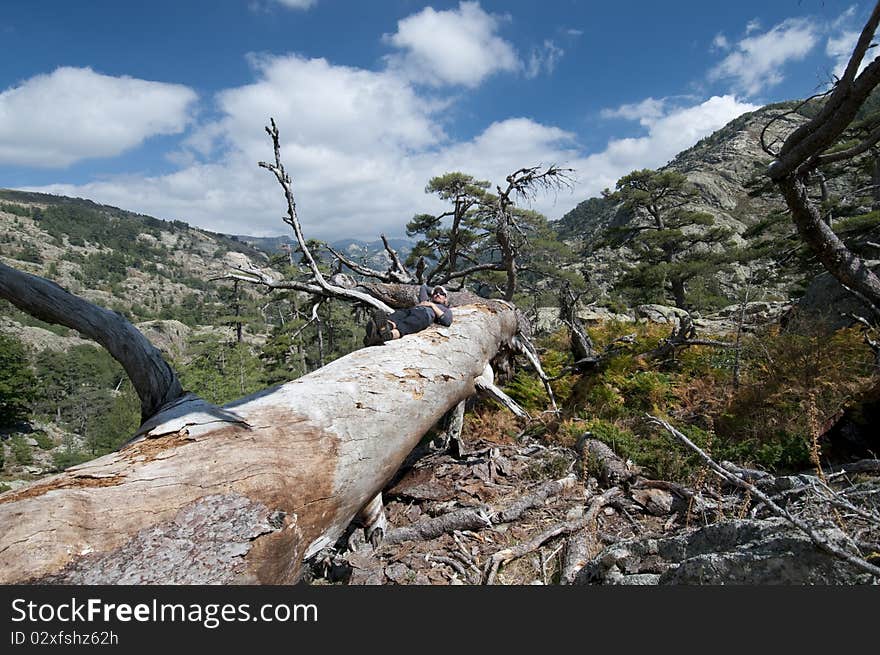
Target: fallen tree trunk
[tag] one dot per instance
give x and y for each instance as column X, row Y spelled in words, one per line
column 243, row 493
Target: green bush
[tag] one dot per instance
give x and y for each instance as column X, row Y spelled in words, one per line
column 43, row 440
column 68, row 457
column 17, row 383
column 528, row 391
column 20, row 450
column 18, row 210
column 647, row 391
column 30, row 253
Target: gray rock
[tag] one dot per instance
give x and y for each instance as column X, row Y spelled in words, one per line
column 762, row 552
column 659, row 313
column 825, row 301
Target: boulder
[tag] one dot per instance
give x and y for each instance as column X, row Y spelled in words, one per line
column 826, row 301
column 753, row 552
column 659, row 313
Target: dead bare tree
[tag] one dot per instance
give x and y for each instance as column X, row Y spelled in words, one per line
column 808, row 148
column 154, row 380
column 524, row 184
column 584, row 353
column 244, row 492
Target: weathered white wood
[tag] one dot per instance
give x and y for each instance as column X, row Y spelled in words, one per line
column 485, row 383
column 242, row 493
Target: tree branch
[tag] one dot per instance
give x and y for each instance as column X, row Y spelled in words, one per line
column 152, row 377
column 820, row 541
column 293, row 220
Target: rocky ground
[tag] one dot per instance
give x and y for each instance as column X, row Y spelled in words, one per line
column 512, row 511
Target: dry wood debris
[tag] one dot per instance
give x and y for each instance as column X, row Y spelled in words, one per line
column 519, row 512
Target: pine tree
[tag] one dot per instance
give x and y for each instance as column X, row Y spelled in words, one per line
column 17, row 382
column 451, row 237
column 672, row 244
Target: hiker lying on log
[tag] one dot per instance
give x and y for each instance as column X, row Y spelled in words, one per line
column 432, row 308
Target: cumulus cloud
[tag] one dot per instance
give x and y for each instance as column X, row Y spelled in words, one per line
column 646, row 111
column 343, row 108
column 452, row 47
column 360, row 146
column 357, row 173
column 756, row 61
column 669, row 131
column 72, row 114
column 347, row 137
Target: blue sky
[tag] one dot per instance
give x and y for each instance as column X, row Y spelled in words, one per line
column 159, row 107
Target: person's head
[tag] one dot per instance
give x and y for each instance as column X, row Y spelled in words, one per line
column 438, row 294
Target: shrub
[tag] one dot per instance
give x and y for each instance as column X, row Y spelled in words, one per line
column 528, row 391
column 43, row 440
column 20, row 450
column 67, row 457
column 791, row 384
column 17, row 382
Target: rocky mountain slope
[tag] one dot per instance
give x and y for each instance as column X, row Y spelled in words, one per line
column 160, row 274
column 726, row 169
column 137, row 264
column 722, row 167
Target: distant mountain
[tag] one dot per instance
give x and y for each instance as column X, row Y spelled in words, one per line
column 369, row 253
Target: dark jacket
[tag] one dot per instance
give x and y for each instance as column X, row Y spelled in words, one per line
column 446, row 318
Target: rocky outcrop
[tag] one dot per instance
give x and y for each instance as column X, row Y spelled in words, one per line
column 659, row 313
column 724, row 168
column 753, row 552
column 828, row 302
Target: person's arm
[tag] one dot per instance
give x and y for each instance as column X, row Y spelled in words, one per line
column 445, row 317
column 442, row 313
column 423, row 293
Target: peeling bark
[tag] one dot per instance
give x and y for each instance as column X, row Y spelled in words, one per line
column 301, row 459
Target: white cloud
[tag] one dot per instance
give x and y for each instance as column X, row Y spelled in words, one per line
column 756, row 61
column 753, row 26
column 297, row 4
column 72, row 114
column 367, row 177
column 842, row 41
column 360, row 146
column 453, row 47
column 840, row 48
column 646, row 112
column 720, row 42
column 343, row 108
column 543, row 59
column 669, row 133
column 348, row 138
